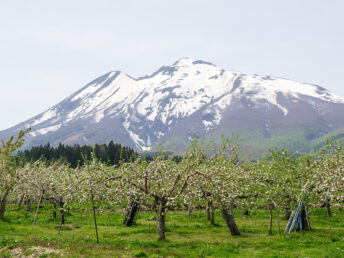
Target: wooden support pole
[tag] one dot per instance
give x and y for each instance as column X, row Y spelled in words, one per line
column 329, row 222
column 39, row 203
column 94, row 216
column 278, row 222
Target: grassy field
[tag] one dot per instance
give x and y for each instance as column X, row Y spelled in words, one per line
column 186, row 236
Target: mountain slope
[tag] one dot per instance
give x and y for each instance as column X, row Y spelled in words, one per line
column 189, row 97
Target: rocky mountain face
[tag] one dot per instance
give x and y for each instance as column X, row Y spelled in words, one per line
column 185, row 99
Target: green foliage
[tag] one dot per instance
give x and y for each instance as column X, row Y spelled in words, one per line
column 8, row 168
column 8, row 242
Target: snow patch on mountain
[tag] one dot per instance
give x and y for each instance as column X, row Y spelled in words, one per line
column 45, row 116
column 45, row 130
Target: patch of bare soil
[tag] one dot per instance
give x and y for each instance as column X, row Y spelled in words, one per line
column 35, row 251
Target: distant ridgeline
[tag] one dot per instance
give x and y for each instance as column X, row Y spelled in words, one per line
column 111, row 153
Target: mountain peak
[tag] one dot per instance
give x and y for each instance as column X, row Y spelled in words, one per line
column 180, row 100
column 186, row 61
column 116, row 74
column 183, row 61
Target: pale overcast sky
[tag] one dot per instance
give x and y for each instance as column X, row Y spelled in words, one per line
column 50, row 49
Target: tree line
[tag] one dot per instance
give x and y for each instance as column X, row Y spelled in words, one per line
column 111, row 153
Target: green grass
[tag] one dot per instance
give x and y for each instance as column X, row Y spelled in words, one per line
column 186, row 237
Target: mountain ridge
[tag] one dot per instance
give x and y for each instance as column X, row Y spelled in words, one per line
column 186, row 98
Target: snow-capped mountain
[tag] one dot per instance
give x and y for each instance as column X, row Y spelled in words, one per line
column 189, row 97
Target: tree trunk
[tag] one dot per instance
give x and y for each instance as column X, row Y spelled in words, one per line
column 54, row 209
column 210, row 213
column 287, row 213
column 3, row 205
column 212, row 217
column 28, row 205
column 62, row 212
column 161, row 220
column 20, row 201
column 328, row 209
column 190, row 210
column 229, row 218
column 305, row 219
column 270, row 227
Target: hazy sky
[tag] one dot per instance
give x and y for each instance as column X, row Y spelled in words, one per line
column 49, row 49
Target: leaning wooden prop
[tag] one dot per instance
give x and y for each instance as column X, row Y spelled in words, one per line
column 299, row 219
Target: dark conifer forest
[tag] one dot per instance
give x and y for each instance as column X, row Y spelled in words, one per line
column 111, row 153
